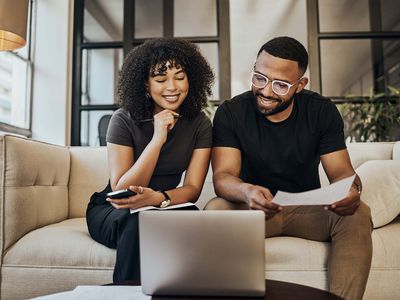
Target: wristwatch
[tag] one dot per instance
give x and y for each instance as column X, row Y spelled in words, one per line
column 166, row 201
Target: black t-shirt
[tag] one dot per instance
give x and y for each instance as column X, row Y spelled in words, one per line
column 175, row 154
column 284, row 155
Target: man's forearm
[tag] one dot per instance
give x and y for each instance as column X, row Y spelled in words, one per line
column 357, row 184
column 230, row 187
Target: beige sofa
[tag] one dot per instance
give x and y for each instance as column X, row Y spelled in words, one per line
column 45, row 246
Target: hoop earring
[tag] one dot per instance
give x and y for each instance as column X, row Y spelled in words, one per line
column 147, row 95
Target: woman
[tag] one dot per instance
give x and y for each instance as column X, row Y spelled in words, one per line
column 157, row 134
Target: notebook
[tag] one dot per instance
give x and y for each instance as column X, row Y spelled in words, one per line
column 202, row 253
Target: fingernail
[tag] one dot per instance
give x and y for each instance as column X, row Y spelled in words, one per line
column 326, row 207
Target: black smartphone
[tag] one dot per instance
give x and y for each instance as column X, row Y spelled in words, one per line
column 120, row 194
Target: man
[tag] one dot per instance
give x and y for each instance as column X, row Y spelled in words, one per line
column 273, row 138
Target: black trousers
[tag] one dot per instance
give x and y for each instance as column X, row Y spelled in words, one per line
column 117, row 229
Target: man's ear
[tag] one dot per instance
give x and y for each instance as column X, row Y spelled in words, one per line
column 302, row 84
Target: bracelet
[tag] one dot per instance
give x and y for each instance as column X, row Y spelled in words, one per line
column 166, row 201
column 358, row 187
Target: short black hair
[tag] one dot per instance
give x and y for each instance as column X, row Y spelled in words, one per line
column 141, row 61
column 287, row 48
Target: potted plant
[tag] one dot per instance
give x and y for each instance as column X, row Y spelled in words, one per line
column 372, row 119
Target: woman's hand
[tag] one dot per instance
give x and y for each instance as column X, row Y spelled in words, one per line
column 163, row 122
column 143, row 197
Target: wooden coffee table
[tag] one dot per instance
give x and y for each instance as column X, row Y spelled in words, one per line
column 275, row 290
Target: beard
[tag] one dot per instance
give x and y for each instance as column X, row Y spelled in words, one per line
column 281, row 106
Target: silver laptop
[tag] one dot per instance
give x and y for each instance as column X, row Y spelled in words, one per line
column 202, row 253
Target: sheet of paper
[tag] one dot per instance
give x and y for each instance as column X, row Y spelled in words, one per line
column 120, row 292
column 58, row 296
column 84, row 292
column 322, row 196
column 168, row 207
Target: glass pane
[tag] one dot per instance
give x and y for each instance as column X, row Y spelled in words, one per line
column 14, row 105
column 210, row 52
column 390, row 14
column 358, row 67
column 346, row 67
column 391, row 54
column 103, row 20
column 203, row 22
column 90, row 133
column 343, row 15
column 148, row 18
column 100, row 73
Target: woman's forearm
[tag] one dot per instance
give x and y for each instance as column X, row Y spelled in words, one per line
column 141, row 171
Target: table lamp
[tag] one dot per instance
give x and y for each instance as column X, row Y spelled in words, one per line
column 13, row 21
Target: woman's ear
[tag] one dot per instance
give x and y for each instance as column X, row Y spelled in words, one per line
column 302, row 84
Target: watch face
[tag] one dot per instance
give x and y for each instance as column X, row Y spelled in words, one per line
column 165, row 203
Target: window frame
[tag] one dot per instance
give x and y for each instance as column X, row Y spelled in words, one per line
column 315, row 37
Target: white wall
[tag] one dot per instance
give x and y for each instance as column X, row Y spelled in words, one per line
column 253, row 23
column 51, row 80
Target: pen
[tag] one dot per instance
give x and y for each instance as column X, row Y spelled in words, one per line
column 150, row 120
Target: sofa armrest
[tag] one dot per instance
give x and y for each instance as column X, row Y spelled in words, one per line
column 33, row 186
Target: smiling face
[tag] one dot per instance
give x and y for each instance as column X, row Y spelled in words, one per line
column 276, row 107
column 168, row 86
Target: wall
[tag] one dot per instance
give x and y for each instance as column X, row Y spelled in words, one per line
column 51, row 79
column 254, row 22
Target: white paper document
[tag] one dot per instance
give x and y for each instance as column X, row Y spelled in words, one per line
column 322, row 196
column 85, row 292
column 165, row 208
column 120, row 292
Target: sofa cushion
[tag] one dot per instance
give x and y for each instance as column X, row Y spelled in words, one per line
column 65, row 244
column 293, row 253
column 381, row 189
column 396, row 151
column 34, row 189
column 362, row 152
column 89, row 174
column 296, row 260
column 386, row 245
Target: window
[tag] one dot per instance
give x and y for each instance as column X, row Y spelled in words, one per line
column 354, row 46
column 15, row 86
column 105, row 30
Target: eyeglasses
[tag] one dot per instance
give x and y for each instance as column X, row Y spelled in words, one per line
column 279, row 87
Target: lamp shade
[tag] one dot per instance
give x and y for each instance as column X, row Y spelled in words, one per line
column 13, row 21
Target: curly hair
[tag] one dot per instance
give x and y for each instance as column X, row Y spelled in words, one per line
column 143, row 60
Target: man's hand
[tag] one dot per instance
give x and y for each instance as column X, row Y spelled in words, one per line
column 260, row 198
column 348, row 205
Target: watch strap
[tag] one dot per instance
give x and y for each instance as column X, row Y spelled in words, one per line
column 166, row 201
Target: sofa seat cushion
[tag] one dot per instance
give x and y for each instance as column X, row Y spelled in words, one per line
column 64, row 244
column 386, row 247
column 292, row 253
